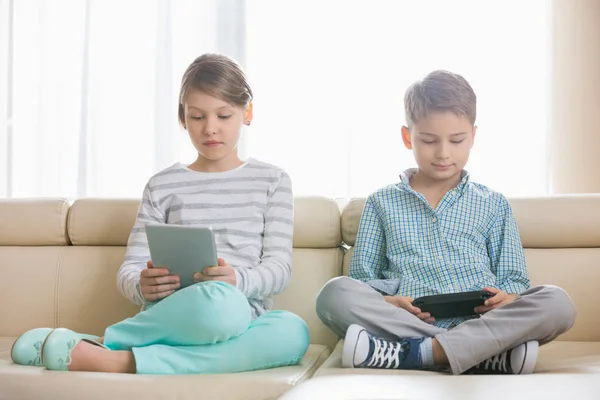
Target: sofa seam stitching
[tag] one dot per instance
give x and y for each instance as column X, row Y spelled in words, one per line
column 61, row 232
column 59, row 220
column 56, row 289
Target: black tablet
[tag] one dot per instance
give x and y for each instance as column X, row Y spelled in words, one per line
column 452, row 304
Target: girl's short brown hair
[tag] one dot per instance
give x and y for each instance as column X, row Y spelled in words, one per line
column 440, row 91
column 218, row 76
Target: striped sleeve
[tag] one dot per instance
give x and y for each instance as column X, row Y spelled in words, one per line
column 137, row 253
column 274, row 272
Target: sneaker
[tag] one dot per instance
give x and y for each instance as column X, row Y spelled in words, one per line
column 364, row 350
column 518, row 360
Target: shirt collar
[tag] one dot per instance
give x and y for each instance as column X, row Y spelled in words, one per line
column 405, row 177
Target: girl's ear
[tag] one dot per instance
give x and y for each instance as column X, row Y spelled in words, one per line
column 248, row 114
column 181, row 115
column 406, row 137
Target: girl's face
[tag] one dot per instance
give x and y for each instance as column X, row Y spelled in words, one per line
column 214, row 126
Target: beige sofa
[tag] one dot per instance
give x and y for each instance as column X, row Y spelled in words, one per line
column 58, row 264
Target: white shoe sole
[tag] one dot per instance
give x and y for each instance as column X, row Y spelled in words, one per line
column 350, row 342
column 530, row 359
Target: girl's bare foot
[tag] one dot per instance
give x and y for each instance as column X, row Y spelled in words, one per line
column 88, row 357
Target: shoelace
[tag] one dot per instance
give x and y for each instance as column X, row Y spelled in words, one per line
column 386, row 354
column 496, row 363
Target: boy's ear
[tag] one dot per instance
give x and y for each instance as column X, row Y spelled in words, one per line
column 248, row 114
column 406, row 137
column 473, row 137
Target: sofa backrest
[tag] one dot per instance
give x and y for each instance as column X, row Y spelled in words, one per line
column 59, row 263
column 33, row 237
column 561, row 238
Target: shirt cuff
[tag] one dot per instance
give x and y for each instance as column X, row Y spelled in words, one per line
column 238, row 279
column 512, row 287
column 143, row 302
column 386, row 286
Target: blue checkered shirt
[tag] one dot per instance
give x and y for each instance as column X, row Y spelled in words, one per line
column 469, row 241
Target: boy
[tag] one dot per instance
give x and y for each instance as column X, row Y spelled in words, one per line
column 438, row 232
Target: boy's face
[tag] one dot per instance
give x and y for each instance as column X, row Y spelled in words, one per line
column 214, row 125
column 441, row 144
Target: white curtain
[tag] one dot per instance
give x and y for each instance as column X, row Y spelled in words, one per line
column 330, row 78
column 94, row 91
column 90, row 105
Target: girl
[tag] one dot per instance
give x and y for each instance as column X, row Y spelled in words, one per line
column 223, row 323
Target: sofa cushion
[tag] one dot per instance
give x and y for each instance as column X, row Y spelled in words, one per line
column 556, row 357
column 350, row 220
column 316, row 223
column 66, row 286
column 577, row 271
column 17, row 382
column 312, row 269
column 446, row 387
column 565, row 221
column 87, row 298
column 101, row 222
column 5, row 346
column 106, row 222
column 38, row 222
column 28, row 295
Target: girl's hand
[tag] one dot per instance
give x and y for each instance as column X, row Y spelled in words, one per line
column 223, row 272
column 499, row 299
column 406, row 303
column 156, row 283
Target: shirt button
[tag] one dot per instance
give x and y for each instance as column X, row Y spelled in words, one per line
column 434, row 219
column 441, row 257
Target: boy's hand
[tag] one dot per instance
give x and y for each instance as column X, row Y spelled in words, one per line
column 156, row 283
column 406, row 303
column 223, row 272
column 499, row 299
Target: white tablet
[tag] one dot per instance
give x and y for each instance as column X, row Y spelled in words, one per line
column 183, row 249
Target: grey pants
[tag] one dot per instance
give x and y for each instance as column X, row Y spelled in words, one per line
column 540, row 313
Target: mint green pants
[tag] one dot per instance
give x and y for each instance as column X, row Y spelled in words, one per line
column 207, row 329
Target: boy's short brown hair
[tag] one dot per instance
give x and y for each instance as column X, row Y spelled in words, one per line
column 218, row 76
column 440, row 91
